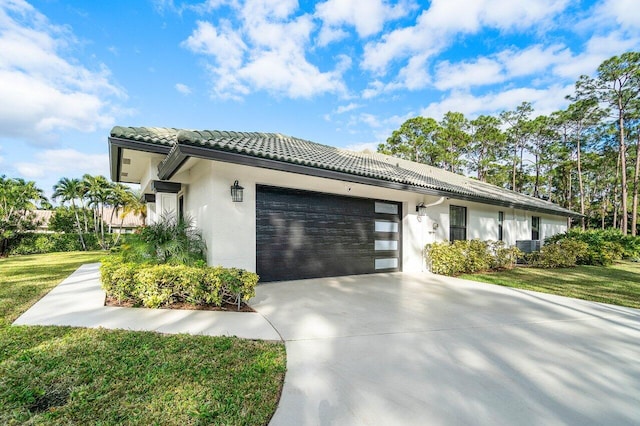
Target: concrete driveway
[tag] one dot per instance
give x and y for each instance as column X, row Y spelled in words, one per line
column 391, row 349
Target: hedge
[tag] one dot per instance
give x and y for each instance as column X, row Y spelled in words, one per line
column 38, row 243
column 603, row 246
column 154, row 286
column 469, row 256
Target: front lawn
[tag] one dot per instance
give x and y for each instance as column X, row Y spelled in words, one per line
column 66, row 375
column 618, row 284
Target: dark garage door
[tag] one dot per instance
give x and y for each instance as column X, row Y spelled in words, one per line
column 302, row 234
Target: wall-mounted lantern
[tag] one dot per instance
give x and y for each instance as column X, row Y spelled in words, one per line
column 236, row 192
column 421, row 209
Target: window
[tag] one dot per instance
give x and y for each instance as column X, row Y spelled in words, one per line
column 535, row 227
column 500, row 223
column 457, row 223
column 181, row 207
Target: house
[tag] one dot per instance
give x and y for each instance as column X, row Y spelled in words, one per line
column 310, row 210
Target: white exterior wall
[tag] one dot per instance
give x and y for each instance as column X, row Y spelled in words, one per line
column 230, row 228
column 482, row 222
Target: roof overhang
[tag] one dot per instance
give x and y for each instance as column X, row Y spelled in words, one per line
column 117, row 145
column 181, row 152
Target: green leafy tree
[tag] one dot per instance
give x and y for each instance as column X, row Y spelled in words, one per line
column 415, row 140
column 616, row 85
column 487, row 148
column 453, row 140
column 18, row 200
column 64, row 219
column 517, row 137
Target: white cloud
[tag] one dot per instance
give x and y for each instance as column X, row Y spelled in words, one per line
column 224, row 44
column 438, row 26
column 624, row 12
column 366, row 16
column 466, row 74
column 544, row 101
column 41, row 90
column 183, row 88
column 267, row 51
column 67, row 162
column 363, row 146
column 345, row 108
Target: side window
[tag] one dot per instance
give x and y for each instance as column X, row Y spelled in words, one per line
column 535, row 227
column 457, row 223
column 500, row 224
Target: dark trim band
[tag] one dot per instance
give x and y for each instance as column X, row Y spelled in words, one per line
column 164, row 186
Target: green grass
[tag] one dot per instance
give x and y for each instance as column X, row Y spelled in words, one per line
column 65, row 375
column 618, row 284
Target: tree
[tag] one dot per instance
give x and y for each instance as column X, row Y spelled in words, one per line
column 487, row 146
column 415, row 141
column 18, row 199
column 576, row 122
column 517, row 138
column 453, row 141
column 71, row 190
column 617, row 86
column 542, row 136
column 97, row 191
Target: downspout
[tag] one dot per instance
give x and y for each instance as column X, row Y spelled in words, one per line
column 435, row 203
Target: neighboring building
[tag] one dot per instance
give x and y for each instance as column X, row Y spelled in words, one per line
column 113, row 222
column 42, row 218
column 312, row 210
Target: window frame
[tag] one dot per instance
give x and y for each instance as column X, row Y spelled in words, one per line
column 453, row 227
column 500, row 226
column 535, row 227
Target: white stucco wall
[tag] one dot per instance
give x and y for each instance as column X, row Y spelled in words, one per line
column 230, row 228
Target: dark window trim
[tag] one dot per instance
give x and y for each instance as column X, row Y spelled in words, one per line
column 500, row 226
column 535, row 231
column 451, row 227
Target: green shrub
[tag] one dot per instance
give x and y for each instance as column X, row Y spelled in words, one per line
column 561, row 254
column 118, row 278
column 169, row 240
column 503, row 257
column 469, row 256
column 154, row 286
column 445, row 258
column 604, row 246
column 476, row 255
column 37, row 243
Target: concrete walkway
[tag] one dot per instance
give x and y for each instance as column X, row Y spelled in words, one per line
column 79, row 301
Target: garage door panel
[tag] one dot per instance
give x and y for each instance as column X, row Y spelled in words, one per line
column 303, row 234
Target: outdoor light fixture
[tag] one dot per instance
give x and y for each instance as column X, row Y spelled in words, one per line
column 421, row 209
column 236, row 192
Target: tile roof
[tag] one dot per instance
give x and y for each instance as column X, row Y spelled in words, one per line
column 286, row 149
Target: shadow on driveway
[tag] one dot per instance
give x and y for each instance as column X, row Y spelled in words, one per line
column 425, row 349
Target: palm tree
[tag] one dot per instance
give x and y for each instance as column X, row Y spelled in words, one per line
column 97, row 189
column 133, row 204
column 70, row 190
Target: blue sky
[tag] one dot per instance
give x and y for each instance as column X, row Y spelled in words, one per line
column 340, row 72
